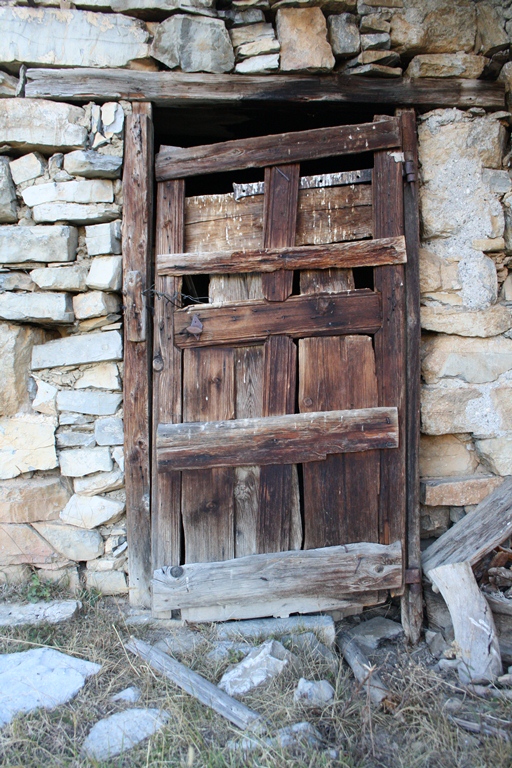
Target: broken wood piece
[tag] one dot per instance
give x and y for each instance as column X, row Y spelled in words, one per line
column 476, row 638
column 196, row 685
column 364, row 672
column 481, row 727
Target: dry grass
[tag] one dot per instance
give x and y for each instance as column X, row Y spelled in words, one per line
column 418, row 734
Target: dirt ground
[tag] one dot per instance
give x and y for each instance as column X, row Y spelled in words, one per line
column 420, row 732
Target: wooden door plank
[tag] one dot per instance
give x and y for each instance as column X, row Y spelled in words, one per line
column 262, row 151
column 280, row 224
column 364, row 253
column 330, row 572
column 167, row 371
column 288, row 438
column 137, row 254
column 207, row 495
column 390, row 342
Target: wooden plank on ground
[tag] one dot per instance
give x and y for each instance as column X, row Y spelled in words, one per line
column 137, row 250
column 276, row 149
column 300, row 316
column 287, row 439
column 341, row 493
column 365, row 253
column 476, row 534
column 364, row 672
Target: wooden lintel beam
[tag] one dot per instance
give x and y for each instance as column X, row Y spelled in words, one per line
column 171, row 89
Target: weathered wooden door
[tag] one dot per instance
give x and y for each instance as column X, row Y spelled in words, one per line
column 279, row 399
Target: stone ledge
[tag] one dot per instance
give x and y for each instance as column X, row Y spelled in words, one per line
column 457, row 491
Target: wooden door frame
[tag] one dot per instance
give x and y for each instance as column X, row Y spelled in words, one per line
column 138, row 226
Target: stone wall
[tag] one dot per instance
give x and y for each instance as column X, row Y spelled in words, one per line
column 61, row 429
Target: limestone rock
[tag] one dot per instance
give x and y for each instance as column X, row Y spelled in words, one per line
column 41, row 677
column 84, row 461
column 458, row 491
column 76, row 350
column 265, row 45
column 506, row 289
column 93, row 165
column 107, row 582
column 94, row 403
column 95, row 304
column 118, row 456
column 15, row 281
column 313, row 694
column 103, row 376
column 211, row 50
column 120, row 732
column 490, row 34
column 499, row 182
column 302, row 33
column 374, row 23
column 44, row 308
column 16, row 344
column 89, row 191
column 8, row 85
column 296, row 737
column 45, row 400
column 438, row 26
column 258, row 65
column 91, row 511
column 103, row 238
column 27, row 167
column 64, row 577
column 483, row 323
column 251, row 33
column 14, row 574
column 384, row 58
column 374, row 70
column 472, row 360
column 36, row 124
column 234, row 18
column 446, row 456
column 69, row 38
column 260, row 666
column 27, row 442
column 130, row 695
column 75, row 439
column 434, row 521
column 371, row 634
column 343, row 34
column 28, row 500
column 380, row 41
column 37, row 244
column 454, row 407
column 112, row 118
column 60, row 278
column 73, row 543
column 447, row 65
column 8, row 207
column 53, row 612
column 143, row 7
column 103, row 482
column 77, row 213
column 109, row 431
column 106, row 273
column 496, row 454
column 21, row 544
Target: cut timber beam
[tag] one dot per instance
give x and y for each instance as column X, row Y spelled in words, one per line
column 254, row 321
column 366, row 253
column 264, row 151
column 288, row 439
column 170, row 89
column 331, row 572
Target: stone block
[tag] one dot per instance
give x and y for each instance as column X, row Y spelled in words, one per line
column 71, row 438
column 453, row 320
column 8, row 207
column 258, row 65
column 95, row 304
column 472, row 360
column 499, row 182
column 143, row 7
column 380, row 41
column 53, row 612
column 249, row 34
column 70, row 38
column 211, row 52
column 103, row 238
column 374, row 633
column 446, row 456
column 383, row 58
column 92, row 213
column 109, row 431
column 21, row 544
column 36, row 124
column 103, row 482
column 343, row 35
column 8, row 85
column 103, row 376
column 490, row 33
column 465, row 65
column 45, row 400
column 67, row 578
column 118, row 456
column 24, row 500
column 374, row 23
column 94, row 403
column 93, row 165
column 19, row 245
column 16, row 344
column 27, row 443
column 458, row 491
column 107, row 582
column 60, row 278
column 451, row 407
column 438, row 26
column 88, row 191
column 106, row 273
column 302, row 33
column 71, row 542
column 84, row 461
column 91, row 511
column 374, row 70
column 27, row 167
column 44, row 308
column 14, row 574
column 112, row 118
column 496, row 454
column 15, row 281
column 434, row 521
column 265, row 45
column 77, row 350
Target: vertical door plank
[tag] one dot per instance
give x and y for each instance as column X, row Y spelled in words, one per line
column 412, row 601
column 166, row 495
column 326, row 280
column 340, row 493
column 137, row 236
column 207, row 495
column 390, row 342
column 280, row 223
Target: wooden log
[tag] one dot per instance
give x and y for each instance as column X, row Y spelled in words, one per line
column 364, row 672
column 475, row 633
column 137, row 250
column 287, row 439
column 196, row 685
column 253, row 321
column 330, row 572
column 179, row 88
column 366, row 253
column 262, row 151
column 475, row 534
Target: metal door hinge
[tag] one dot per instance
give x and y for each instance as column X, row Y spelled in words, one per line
column 410, row 171
column 413, row 576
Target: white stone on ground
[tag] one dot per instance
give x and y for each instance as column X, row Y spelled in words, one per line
column 313, row 694
column 105, row 273
column 102, row 239
column 37, row 244
column 223, row 649
column 254, row 629
column 130, row 695
column 76, row 350
column 91, row 511
column 120, row 732
column 41, row 677
column 291, row 737
column 371, row 634
column 260, row 666
column 19, row 614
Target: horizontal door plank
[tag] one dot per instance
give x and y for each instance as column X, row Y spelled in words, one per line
column 253, row 321
column 331, row 572
column 286, row 439
column 263, row 151
column 171, row 89
column 363, row 253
